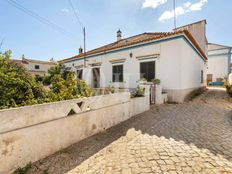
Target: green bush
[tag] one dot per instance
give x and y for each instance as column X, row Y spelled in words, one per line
column 19, row 88
column 110, row 89
column 23, row 170
column 229, row 90
column 38, row 78
column 138, row 92
column 83, row 89
column 156, row 81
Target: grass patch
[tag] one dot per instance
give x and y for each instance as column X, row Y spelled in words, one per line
column 23, row 170
column 192, row 95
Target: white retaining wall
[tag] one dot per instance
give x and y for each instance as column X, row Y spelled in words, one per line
column 30, row 133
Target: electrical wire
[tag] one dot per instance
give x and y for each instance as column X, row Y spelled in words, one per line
column 75, row 13
column 40, row 18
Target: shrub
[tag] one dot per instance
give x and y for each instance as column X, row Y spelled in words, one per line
column 229, row 90
column 110, row 89
column 23, row 170
column 195, row 93
column 138, row 92
column 226, row 83
column 82, row 89
column 142, row 81
column 156, row 81
column 17, row 87
column 38, row 78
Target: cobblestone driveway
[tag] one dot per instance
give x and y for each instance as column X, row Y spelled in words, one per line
column 194, row 137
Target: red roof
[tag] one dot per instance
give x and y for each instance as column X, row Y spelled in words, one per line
column 144, row 37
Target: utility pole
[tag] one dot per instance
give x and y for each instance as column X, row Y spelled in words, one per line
column 174, row 11
column 84, row 46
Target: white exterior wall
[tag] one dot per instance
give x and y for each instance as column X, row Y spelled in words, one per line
column 168, row 66
column 30, row 133
column 198, row 31
column 218, row 63
column 218, row 66
column 191, row 68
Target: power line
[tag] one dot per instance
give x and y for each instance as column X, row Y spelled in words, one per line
column 40, row 18
column 83, row 28
column 75, row 13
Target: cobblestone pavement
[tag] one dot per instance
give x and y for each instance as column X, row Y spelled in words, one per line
column 194, row 137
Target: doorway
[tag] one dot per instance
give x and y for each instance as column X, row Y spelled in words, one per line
column 209, row 78
column 96, row 78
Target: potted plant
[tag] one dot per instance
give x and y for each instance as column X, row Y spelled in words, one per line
column 142, row 81
column 156, row 81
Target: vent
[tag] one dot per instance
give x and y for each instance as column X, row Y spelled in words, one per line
column 71, row 112
column 80, row 104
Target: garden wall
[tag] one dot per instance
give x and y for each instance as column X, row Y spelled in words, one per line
column 30, row 133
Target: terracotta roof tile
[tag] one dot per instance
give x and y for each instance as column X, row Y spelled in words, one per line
column 33, row 61
column 144, row 37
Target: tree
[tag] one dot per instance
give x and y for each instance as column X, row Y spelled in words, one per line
column 17, row 87
column 55, row 70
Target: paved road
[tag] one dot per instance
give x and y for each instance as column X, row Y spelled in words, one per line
column 194, row 137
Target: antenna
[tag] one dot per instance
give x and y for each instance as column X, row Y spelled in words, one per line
column 84, row 46
column 2, row 43
column 174, row 11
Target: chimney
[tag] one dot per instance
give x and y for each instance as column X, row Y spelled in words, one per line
column 80, row 50
column 119, row 35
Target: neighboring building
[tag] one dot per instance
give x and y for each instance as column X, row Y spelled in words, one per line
column 35, row 67
column 219, row 62
column 176, row 58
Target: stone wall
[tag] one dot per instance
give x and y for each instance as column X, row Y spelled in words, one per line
column 30, row 133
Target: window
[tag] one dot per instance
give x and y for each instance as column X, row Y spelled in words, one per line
column 79, row 74
column 202, row 76
column 118, row 73
column 36, row 66
column 147, row 70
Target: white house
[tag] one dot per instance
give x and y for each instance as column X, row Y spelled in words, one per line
column 176, row 58
column 219, row 62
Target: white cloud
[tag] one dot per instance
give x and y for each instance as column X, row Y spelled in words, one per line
column 187, row 4
column 65, row 10
column 181, row 10
column 153, row 3
column 198, row 6
column 170, row 14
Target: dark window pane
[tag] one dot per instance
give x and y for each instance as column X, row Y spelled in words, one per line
column 79, row 74
column 117, row 73
column 36, row 66
column 147, row 70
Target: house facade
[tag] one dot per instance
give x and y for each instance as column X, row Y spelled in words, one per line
column 219, row 62
column 173, row 57
column 35, row 67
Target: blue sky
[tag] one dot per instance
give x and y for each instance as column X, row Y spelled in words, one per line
column 25, row 35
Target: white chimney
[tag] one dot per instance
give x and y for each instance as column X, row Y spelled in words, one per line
column 80, row 50
column 119, row 35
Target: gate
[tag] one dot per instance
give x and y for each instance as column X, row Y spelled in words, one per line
column 152, row 94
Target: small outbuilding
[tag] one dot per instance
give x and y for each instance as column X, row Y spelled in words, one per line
column 219, row 63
